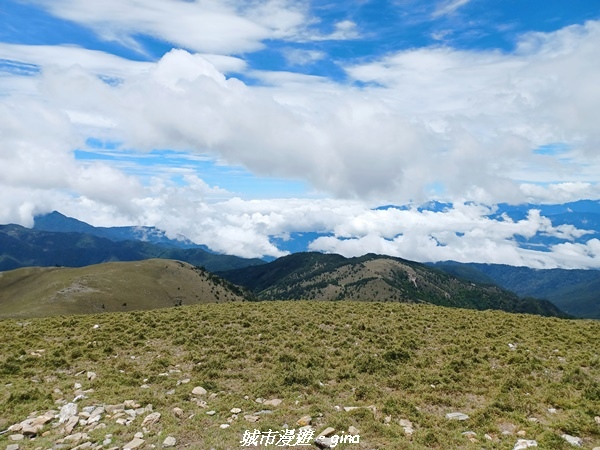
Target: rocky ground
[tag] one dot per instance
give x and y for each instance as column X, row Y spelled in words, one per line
column 76, row 427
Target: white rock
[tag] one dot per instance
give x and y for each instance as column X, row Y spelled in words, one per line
column 77, row 437
column 136, row 443
column 170, row 441
column 91, row 376
column 524, row 443
column 327, row 432
column 97, row 412
column 224, row 425
column 456, row 416
column 199, row 390
column 235, row 410
column 66, row 412
column 151, row 419
column 30, row 430
column 573, row 440
column 70, row 424
column 12, row 447
column 274, row 402
column 139, row 435
column 211, row 413
column 324, row 442
column 353, row 430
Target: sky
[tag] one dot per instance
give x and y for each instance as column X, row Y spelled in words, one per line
column 242, row 123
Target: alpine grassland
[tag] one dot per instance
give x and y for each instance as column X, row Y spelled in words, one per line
column 373, row 366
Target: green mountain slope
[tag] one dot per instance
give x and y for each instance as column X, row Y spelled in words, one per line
column 577, row 292
column 121, row 286
column 373, row 277
column 24, row 247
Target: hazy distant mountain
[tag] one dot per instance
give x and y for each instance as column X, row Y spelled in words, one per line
column 58, row 222
column 374, row 277
column 576, row 292
column 23, row 247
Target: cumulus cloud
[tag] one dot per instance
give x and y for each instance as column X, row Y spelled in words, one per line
column 463, row 234
column 431, row 116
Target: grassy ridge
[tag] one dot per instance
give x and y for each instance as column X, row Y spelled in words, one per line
column 415, row 362
column 110, row 287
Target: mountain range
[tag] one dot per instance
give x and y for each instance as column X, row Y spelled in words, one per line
column 576, row 292
column 58, row 222
column 24, row 247
column 57, row 240
column 374, row 278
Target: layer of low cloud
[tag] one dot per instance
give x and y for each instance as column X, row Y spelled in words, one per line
column 246, row 228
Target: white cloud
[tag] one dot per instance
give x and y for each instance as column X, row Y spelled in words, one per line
column 435, row 115
column 461, row 234
column 301, row 57
column 464, row 124
column 447, row 8
column 95, row 61
column 205, row 26
column 560, row 192
column 344, row 30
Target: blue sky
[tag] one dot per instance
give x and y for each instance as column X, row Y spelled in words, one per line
column 223, row 121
